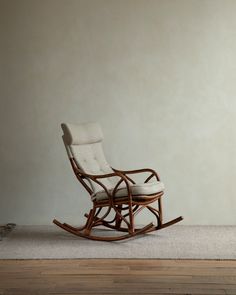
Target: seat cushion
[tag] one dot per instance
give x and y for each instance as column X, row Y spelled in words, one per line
column 143, row 189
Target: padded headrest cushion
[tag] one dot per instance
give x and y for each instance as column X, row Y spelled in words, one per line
column 82, row 134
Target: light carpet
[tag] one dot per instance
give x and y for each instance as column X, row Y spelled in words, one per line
column 176, row 242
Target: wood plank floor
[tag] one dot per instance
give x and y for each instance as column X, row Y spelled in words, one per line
column 116, row 276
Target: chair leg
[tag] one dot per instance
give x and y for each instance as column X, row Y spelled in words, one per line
column 118, row 219
column 131, row 220
column 159, row 217
column 89, row 223
column 166, row 224
column 160, row 210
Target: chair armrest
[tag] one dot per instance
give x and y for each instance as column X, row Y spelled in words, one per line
column 137, row 171
column 95, row 177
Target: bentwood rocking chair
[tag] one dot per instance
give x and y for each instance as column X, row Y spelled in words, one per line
column 111, row 190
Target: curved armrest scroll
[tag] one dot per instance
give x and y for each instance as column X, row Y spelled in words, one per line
column 137, row 171
column 95, row 177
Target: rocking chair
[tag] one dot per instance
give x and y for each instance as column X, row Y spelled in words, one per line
column 110, row 189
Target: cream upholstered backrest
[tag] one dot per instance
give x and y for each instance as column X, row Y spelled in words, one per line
column 84, row 143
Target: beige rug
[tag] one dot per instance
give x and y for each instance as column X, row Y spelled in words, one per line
column 176, row 242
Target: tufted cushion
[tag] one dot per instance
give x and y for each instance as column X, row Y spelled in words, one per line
column 84, row 143
column 143, row 189
column 90, row 158
column 82, row 134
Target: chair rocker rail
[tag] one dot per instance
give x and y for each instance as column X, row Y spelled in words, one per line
column 71, row 229
column 124, row 207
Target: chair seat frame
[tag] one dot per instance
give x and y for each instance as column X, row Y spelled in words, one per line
column 124, row 208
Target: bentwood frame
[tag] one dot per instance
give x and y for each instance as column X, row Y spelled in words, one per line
column 122, row 208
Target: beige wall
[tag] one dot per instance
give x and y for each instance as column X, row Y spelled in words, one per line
column 158, row 75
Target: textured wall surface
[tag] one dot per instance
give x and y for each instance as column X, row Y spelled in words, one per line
column 159, row 76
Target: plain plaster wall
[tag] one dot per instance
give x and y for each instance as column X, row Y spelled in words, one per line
column 159, row 76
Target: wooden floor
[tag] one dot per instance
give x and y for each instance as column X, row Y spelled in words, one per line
column 107, row 276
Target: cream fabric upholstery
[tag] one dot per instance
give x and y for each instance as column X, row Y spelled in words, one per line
column 90, row 158
column 141, row 190
column 82, row 134
column 84, row 142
